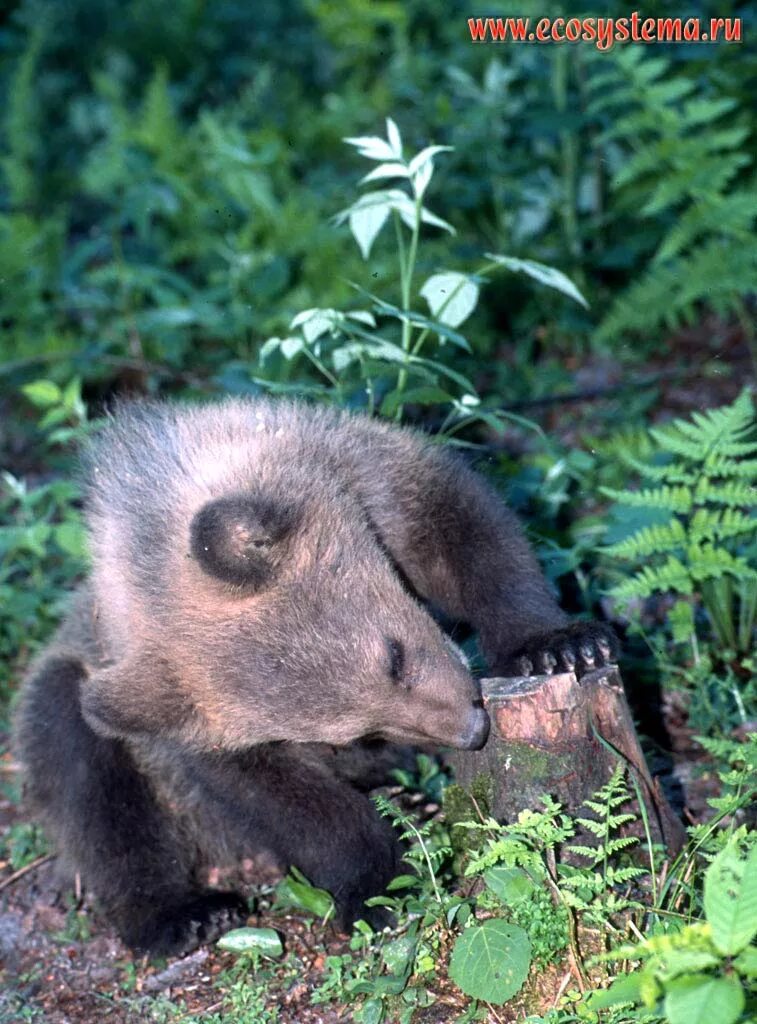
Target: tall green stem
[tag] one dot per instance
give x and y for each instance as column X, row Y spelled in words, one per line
column 407, row 269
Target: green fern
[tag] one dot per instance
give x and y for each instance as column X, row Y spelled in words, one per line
column 683, row 168
column 23, row 142
column 704, row 478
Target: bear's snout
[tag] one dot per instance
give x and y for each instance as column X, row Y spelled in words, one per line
column 476, row 730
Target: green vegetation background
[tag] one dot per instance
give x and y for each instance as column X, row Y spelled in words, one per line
column 170, row 177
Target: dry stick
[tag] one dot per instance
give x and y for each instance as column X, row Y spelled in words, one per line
column 25, row 870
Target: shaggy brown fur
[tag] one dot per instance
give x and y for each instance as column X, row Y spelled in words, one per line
column 262, row 573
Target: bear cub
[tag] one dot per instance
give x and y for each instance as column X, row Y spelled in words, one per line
column 256, row 630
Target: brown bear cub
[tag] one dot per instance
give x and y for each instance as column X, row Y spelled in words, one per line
column 258, row 609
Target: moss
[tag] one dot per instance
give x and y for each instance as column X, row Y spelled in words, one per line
column 462, row 805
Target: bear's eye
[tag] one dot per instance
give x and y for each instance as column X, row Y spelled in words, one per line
column 396, row 660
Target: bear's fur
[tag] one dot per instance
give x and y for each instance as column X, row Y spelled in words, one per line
column 256, row 621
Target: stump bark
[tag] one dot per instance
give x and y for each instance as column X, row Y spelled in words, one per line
column 545, row 738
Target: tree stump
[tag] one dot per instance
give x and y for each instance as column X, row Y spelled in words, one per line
column 545, row 739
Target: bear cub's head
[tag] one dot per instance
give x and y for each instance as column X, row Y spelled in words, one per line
column 274, row 612
column 331, row 632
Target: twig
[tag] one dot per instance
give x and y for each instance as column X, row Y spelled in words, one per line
column 25, row 870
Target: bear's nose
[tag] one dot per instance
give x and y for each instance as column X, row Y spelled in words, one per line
column 476, row 730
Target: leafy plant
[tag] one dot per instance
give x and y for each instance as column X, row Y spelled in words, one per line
column 395, row 371
column 42, row 537
column 699, row 972
column 684, row 166
column 698, row 538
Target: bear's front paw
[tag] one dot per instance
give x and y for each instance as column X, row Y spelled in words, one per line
column 577, row 648
column 178, row 929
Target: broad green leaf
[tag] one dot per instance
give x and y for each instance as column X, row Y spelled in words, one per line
column 490, row 961
column 269, row 346
column 71, row 538
column 445, row 332
column 402, row 882
column 541, row 272
column 315, row 322
column 511, row 885
column 295, row 890
column 245, row 940
column 372, row 1011
column 701, row 999
column 42, row 393
column 452, row 297
column 398, row 954
column 730, row 899
column 746, row 962
column 421, row 395
column 625, row 989
column 290, row 347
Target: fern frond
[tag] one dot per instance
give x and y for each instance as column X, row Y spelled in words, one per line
column 621, row 876
column 673, row 499
column 672, row 575
column 728, row 215
column 735, row 494
column 669, row 473
column 721, row 465
column 707, row 562
column 590, row 852
column 707, row 524
column 651, row 540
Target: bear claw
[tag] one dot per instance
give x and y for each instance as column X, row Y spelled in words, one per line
column 178, row 930
column 578, row 648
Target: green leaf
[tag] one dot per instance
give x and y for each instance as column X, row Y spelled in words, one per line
column 625, row 989
column 452, row 297
column 389, row 170
column 511, row 885
column 730, row 900
column 490, row 961
column 295, row 890
column 71, row 538
column 421, row 395
column 541, row 272
column 700, row 999
column 366, row 218
column 245, row 940
column 372, row 147
column 402, row 882
column 746, row 962
column 43, row 393
column 372, row 1011
column 398, row 955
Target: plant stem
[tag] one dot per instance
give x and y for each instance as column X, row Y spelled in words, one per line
column 407, row 269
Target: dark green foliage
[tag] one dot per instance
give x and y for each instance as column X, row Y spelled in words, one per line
column 169, row 181
column 683, row 162
column 42, row 545
column 169, row 178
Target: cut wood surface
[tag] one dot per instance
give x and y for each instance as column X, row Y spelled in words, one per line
column 547, row 737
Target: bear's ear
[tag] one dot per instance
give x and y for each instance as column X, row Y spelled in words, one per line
column 236, row 538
